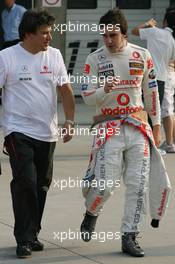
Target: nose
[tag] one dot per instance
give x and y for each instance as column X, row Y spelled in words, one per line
column 49, row 37
column 109, row 40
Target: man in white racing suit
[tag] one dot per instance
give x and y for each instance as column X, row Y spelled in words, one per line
column 116, row 77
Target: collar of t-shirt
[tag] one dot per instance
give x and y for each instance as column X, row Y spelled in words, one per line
column 10, row 9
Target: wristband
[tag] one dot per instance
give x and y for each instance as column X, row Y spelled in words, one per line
column 70, row 122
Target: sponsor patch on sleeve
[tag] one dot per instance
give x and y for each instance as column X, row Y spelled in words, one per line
column 150, row 63
column 152, row 75
column 154, row 94
column 152, row 84
column 87, row 68
column 84, row 87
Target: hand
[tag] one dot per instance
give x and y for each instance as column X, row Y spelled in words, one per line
column 157, row 135
column 67, row 132
column 111, row 85
column 151, row 23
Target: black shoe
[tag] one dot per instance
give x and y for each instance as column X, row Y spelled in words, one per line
column 36, row 245
column 88, row 226
column 131, row 246
column 23, row 251
column 155, row 223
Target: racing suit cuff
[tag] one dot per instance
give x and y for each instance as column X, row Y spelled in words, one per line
column 155, row 121
column 100, row 94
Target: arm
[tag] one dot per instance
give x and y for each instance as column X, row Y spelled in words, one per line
column 151, row 98
column 3, row 73
column 148, row 24
column 157, row 134
column 22, row 10
column 67, row 97
column 93, row 88
column 68, row 103
column 173, row 53
column 92, row 93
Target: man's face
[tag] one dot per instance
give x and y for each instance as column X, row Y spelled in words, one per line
column 9, row 3
column 41, row 39
column 113, row 39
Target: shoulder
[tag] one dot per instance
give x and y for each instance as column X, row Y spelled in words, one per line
column 55, row 55
column 147, row 33
column 138, row 48
column 99, row 54
column 53, row 51
column 20, row 8
column 157, row 31
column 138, row 51
column 7, row 55
column 8, row 51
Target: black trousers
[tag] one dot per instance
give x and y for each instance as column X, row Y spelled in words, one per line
column 31, row 162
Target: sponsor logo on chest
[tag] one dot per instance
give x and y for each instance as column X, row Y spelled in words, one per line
column 45, row 70
column 105, row 67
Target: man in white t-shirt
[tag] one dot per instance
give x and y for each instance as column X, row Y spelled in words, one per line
column 31, row 72
column 161, row 44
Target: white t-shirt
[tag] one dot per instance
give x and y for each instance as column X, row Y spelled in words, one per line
column 29, row 96
column 161, row 45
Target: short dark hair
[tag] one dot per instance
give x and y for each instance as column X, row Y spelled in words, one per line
column 115, row 16
column 170, row 18
column 32, row 20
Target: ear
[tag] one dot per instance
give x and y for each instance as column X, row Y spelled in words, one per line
column 29, row 35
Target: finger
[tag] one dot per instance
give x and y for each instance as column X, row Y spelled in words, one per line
column 66, row 138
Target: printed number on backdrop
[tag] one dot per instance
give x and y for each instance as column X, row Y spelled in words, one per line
column 93, row 45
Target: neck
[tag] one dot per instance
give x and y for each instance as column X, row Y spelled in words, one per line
column 123, row 45
column 29, row 47
column 9, row 7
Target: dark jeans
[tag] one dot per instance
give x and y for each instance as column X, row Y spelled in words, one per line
column 31, row 161
column 8, row 44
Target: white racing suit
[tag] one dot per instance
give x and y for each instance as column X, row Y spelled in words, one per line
column 126, row 152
